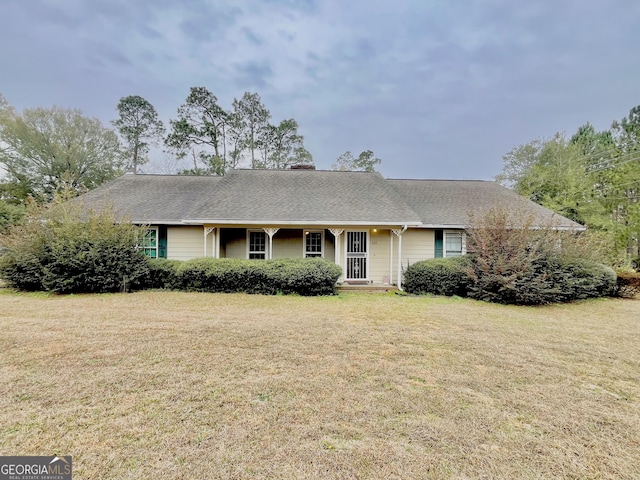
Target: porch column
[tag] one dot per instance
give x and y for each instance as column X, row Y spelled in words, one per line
column 398, row 233
column 390, row 257
column 207, row 231
column 216, row 243
column 271, row 232
column 336, row 232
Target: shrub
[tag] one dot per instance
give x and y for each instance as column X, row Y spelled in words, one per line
column 516, row 261
column 10, row 215
column 627, row 284
column 60, row 249
column 162, row 274
column 311, row 276
column 301, row 276
column 438, row 276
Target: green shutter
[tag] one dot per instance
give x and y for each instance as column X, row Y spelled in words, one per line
column 162, row 241
column 438, row 252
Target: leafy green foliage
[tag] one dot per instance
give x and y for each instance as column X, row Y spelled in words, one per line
column 252, row 117
column 299, row 276
column 45, row 151
column 10, row 215
column 217, row 140
column 138, row 124
column 199, row 129
column 592, row 178
column 162, row 274
column 282, row 146
column 438, row 276
column 60, row 249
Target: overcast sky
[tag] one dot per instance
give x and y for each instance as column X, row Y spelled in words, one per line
column 437, row 89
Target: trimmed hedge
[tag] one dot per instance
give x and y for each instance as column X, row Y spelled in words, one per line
column 438, row 276
column 162, row 274
column 312, row 276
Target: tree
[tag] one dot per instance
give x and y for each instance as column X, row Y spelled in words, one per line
column 138, row 125
column 553, row 173
column 235, row 136
column 45, row 150
column 365, row 162
column 624, row 175
column 593, row 178
column 200, row 124
column 253, row 119
column 283, row 146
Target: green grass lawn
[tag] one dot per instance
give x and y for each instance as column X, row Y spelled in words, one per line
column 170, row 385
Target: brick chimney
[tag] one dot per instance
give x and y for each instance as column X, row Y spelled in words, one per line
column 302, row 166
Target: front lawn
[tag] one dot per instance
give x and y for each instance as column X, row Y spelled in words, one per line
column 173, row 385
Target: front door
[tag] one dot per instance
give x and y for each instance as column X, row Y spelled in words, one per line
column 357, row 256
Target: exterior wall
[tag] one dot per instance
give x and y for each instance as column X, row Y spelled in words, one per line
column 329, row 247
column 233, row 243
column 379, row 256
column 417, row 244
column 184, row 243
column 287, row 243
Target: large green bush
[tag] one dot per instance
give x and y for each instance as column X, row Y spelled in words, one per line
column 311, row 276
column 438, row 276
column 61, row 249
column 300, row 276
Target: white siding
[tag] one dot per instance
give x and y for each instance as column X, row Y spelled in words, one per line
column 417, row 244
column 184, row 243
column 379, row 256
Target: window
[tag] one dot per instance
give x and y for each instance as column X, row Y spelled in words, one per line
column 257, row 245
column 313, row 242
column 453, row 244
column 149, row 244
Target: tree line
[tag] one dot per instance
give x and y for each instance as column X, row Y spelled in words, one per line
column 47, row 150
column 592, row 177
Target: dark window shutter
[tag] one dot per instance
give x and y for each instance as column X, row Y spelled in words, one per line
column 439, row 242
column 162, row 241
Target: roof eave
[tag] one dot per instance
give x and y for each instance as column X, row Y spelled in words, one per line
column 203, row 221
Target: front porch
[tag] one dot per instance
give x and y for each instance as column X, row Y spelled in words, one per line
column 369, row 257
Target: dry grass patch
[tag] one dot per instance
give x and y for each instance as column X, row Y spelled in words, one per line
column 175, row 385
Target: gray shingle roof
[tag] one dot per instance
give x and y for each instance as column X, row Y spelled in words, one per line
column 449, row 202
column 152, row 198
column 302, row 197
